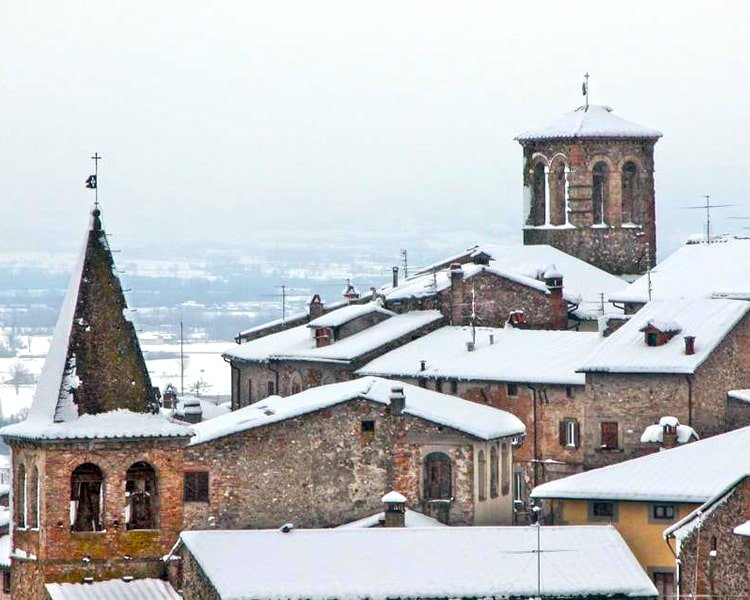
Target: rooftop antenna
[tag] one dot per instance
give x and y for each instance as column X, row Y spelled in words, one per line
column 283, row 302
column 585, row 89
column 92, row 181
column 182, row 358
column 473, row 315
column 707, row 206
column 405, row 262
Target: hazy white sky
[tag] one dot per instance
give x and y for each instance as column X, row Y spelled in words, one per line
column 222, row 121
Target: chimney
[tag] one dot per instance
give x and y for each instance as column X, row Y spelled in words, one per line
column 456, row 293
column 192, row 411
column 315, row 308
column 553, row 279
column 689, row 344
column 422, row 365
column 395, row 509
column 470, row 346
column 398, row 400
column 373, row 293
column 169, row 399
column 395, row 276
column 492, row 339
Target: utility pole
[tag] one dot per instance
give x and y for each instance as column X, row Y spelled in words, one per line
column 283, row 302
column 182, row 359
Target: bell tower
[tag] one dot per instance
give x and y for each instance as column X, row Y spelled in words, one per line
column 589, row 189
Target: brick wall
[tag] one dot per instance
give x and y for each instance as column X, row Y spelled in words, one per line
column 728, row 574
column 63, row 555
column 320, row 470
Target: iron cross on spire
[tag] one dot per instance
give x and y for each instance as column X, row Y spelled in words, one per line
column 586, row 89
column 93, row 180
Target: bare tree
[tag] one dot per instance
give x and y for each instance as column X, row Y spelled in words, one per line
column 20, row 375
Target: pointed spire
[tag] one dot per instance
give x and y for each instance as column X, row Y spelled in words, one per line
column 95, row 363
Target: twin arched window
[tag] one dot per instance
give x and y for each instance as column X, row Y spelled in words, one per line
column 87, row 497
column 482, row 467
column 600, row 192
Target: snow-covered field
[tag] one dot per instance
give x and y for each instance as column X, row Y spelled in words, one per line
column 204, row 368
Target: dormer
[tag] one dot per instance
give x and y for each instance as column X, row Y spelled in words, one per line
column 658, row 332
column 343, row 322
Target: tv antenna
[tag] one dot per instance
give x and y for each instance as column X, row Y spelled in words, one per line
column 707, row 206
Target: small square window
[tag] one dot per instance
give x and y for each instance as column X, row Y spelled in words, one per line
column 368, row 426
column 603, row 510
column 663, row 512
column 570, row 392
column 512, row 389
column 196, row 486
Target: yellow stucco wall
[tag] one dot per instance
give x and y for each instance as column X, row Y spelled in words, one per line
column 644, row 537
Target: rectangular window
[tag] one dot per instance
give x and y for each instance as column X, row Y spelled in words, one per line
column 518, row 486
column 454, row 387
column 511, row 389
column 664, row 582
column 196, row 486
column 438, row 385
column 367, row 429
column 271, row 388
column 602, row 511
column 663, row 512
column 6, row 582
column 610, row 438
column 570, row 392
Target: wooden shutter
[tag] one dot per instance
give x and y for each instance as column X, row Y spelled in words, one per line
column 562, row 432
column 609, row 434
column 577, row 434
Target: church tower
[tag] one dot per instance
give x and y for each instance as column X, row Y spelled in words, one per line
column 589, row 189
column 97, row 471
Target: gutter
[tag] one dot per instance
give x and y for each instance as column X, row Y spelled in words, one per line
column 234, row 369
column 276, row 373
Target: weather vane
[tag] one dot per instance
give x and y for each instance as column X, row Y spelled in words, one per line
column 586, row 89
column 91, row 182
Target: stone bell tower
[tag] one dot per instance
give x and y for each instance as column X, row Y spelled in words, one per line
column 589, row 189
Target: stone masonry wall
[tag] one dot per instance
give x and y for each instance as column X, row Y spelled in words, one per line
column 321, row 470
column 728, row 574
column 115, row 551
column 194, row 585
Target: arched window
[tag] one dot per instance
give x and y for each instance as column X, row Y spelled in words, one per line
column 438, row 484
column 631, row 211
column 539, row 199
column 86, row 490
column 20, row 500
column 494, row 474
column 600, row 191
column 34, row 498
column 482, row 468
column 557, row 204
column 141, row 497
column 505, row 458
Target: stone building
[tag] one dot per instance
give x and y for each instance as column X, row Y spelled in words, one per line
column 589, row 188
column 327, row 349
column 532, row 374
column 646, row 496
column 324, row 457
column 712, row 545
column 673, row 357
column 97, row 478
column 383, row 563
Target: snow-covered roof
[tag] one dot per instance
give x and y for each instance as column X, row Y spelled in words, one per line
column 298, row 343
column 581, row 281
column 291, row 319
column 692, row 473
column 743, row 530
column 715, row 270
column 338, row 317
column 626, row 351
column 741, row 395
column 440, row 562
column 477, row 420
column 412, row 518
column 516, row 355
column 116, row 424
column 137, row 589
column 592, row 121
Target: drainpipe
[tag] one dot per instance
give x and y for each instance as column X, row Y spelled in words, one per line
column 689, row 379
column 677, row 566
column 536, row 436
column 236, row 393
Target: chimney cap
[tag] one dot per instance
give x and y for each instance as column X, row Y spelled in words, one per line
column 456, row 267
column 393, row 497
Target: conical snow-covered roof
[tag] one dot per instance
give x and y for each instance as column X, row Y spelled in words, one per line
column 592, row 121
column 94, row 382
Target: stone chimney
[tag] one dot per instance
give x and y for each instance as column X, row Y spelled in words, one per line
column 192, row 411
column 398, row 400
column 395, row 509
column 689, row 344
column 669, row 433
column 395, row 276
column 553, row 279
column 169, row 399
column 350, row 293
column 457, row 293
column 315, row 308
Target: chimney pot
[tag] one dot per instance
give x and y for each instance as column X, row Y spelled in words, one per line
column 397, row 400
column 492, row 339
column 422, row 365
column 395, row 276
column 395, row 509
column 689, row 344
